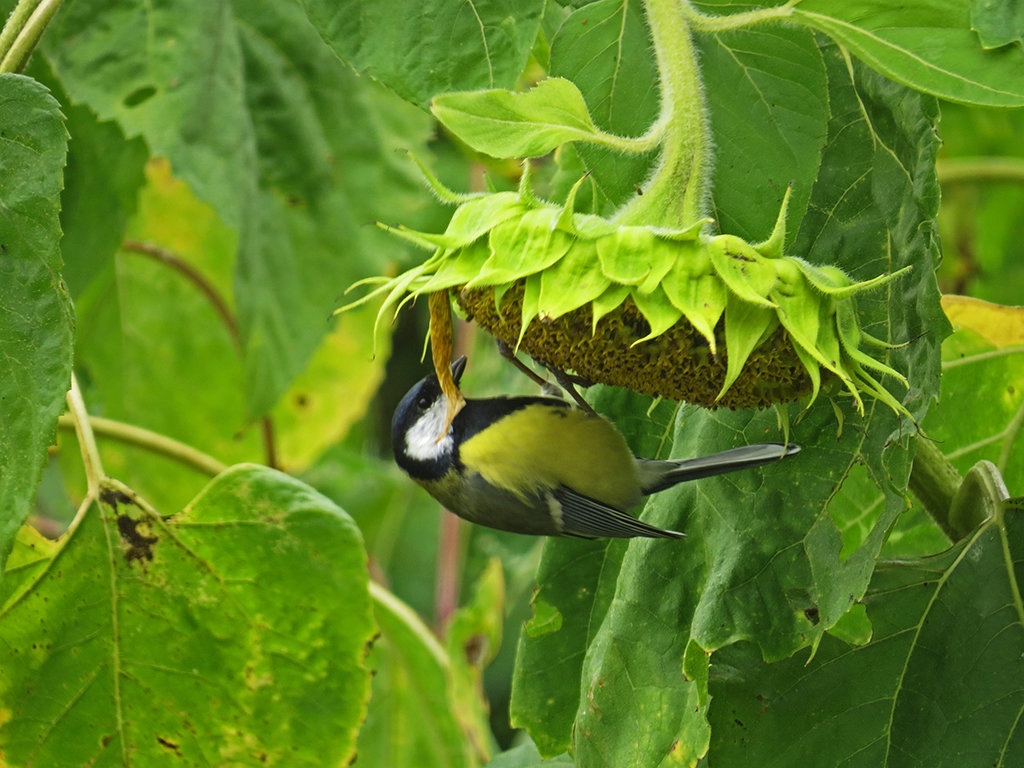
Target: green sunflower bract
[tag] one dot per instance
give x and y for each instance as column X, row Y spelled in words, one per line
column 521, row 265
column 650, row 298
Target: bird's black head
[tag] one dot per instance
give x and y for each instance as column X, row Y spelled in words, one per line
column 417, row 424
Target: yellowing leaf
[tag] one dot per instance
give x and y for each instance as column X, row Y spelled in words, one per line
column 1000, row 325
column 332, row 393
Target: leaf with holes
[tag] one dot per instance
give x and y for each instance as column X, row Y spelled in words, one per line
column 231, row 633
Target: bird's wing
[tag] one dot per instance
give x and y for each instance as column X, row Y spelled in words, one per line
column 658, row 475
column 537, row 445
column 589, row 519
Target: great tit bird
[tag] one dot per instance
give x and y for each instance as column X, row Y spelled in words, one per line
column 538, row 465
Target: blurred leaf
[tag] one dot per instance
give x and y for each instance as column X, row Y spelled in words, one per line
column 173, row 74
column 526, row 756
column 188, row 384
column 997, row 22
column 224, row 93
column 36, row 317
column 982, row 214
column 473, row 639
column 998, row 325
column 101, row 183
column 138, row 639
column 332, row 393
column 981, row 413
column 927, row 44
column 326, row 159
column 413, row 718
column 940, row 683
column 420, row 49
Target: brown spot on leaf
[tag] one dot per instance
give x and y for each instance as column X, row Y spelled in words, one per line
column 168, row 745
column 112, row 497
column 139, row 546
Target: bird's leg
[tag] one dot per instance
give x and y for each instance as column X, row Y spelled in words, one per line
column 568, row 382
column 546, row 386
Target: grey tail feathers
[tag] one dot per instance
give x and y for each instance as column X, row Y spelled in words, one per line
column 658, row 475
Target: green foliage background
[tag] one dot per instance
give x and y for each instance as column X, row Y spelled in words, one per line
column 186, row 186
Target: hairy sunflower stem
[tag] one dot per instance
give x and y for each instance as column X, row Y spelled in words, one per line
column 22, row 32
column 79, row 417
column 934, row 482
column 15, row 23
column 703, row 23
column 675, row 195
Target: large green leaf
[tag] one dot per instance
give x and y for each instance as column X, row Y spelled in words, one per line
column 35, row 312
column 101, row 184
column 926, row 44
column 997, row 22
column 981, row 413
column 604, row 49
column 940, row 683
column 420, row 49
column 231, row 633
column 768, row 98
column 232, row 96
column 762, row 558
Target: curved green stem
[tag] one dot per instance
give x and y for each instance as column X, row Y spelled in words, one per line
column 79, row 420
column 15, row 23
column 704, row 23
column 22, row 32
column 977, row 169
column 675, row 195
column 152, row 441
column 934, row 482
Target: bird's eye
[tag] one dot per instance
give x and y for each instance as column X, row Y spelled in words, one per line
column 423, row 403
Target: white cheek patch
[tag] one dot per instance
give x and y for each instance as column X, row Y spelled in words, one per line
column 421, row 441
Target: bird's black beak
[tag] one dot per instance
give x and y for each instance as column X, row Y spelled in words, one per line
column 458, row 367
